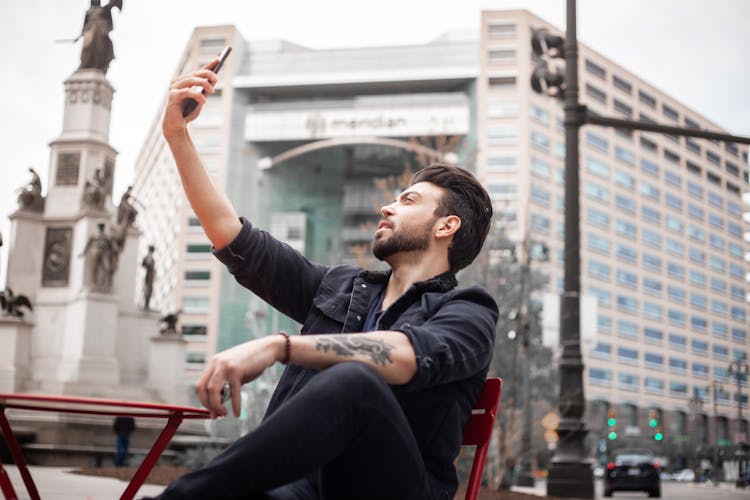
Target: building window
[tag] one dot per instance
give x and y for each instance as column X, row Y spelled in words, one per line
column 504, row 164
column 623, row 108
column 597, row 376
column 194, row 330
column 672, row 179
column 501, row 29
column 601, row 350
column 598, row 243
column 654, row 385
column 627, row 381
column 501, row 135
column 647, row 99
column 654, row 360
column 624, row 155
column 627, row 329
column 626, row 253
column 622, row 84
column 627, row 278
column 502, row 83
column 596, row 69
column 676, row 294
column 675, row 270
column 197, row 275
column 651, row 238
column 624, row 179
column 502, row 56
column 195, row 305
column 597, row 167
column 597, row 141
column 652, row 335
column 649, row 168
column 597, row 217
column 670, row 112
column 502, row 109
column 540, row 140
column 677, row 365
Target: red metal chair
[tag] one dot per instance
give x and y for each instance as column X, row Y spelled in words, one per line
column 478, row 431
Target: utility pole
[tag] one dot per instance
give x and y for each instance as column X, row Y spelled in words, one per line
column 739, row 369
column 715, row 388
column 570, row 474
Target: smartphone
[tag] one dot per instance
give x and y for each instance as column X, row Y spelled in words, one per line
column 190, row 104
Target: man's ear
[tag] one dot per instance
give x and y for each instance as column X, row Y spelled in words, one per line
column 447, row 226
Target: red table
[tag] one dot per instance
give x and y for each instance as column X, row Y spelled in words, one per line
column 91, row 406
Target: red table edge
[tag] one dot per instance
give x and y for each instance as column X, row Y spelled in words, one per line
column 175, row 415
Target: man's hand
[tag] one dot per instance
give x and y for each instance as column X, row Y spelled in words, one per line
column 185, row 87
column 236, row 366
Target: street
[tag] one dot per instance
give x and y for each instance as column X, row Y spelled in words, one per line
column 672, row 490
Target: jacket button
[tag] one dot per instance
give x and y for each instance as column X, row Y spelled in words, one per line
column 364, row 286
column 359, row 318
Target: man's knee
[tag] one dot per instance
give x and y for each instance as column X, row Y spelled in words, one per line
column 353, row 380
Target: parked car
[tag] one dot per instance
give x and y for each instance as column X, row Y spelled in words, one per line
column 632, row 469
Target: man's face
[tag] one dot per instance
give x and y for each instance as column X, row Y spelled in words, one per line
column 408, row 223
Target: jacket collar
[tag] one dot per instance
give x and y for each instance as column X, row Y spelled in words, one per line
column 440, row 283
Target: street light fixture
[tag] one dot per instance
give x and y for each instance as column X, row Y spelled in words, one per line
column 715, row 389
column 739, row 369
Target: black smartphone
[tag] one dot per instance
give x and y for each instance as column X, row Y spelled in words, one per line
column 190, row 104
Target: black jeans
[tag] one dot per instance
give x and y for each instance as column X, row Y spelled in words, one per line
column 342, row 436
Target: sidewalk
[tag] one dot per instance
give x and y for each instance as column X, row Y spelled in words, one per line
column 56, row 483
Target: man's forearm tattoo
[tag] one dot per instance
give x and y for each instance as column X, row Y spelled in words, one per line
column 378, row 351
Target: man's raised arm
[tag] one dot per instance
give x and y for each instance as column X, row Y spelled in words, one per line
column 215, row 212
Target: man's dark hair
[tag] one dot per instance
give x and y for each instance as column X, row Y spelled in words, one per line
column 465, row 197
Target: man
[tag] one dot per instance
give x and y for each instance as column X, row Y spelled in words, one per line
column 388, row 365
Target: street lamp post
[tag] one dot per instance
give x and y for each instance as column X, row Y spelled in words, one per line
column 570, row 473
column 715, row 388
column 739, row 369
column 695, row 403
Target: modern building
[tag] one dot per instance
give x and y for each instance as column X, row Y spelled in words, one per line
column 309, row 142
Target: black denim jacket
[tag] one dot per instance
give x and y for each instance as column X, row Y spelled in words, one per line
column 451, row 330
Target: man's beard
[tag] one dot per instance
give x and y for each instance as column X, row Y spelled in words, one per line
column 407, row 239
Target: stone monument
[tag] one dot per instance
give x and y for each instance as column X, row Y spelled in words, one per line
column 75, row 255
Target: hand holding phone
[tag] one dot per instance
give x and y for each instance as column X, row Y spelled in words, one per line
column 190, row 104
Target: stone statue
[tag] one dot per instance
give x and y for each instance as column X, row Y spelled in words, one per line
column 30, row 195
column 12, row 303
column 94, row 192
column 97, row 51
column 126, row 211
column 148, row 280
column 170, row 323
column 100, row 255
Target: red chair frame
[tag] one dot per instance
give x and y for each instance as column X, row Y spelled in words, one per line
column 478, row 431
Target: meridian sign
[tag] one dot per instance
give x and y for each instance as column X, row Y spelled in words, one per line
column 329, row 123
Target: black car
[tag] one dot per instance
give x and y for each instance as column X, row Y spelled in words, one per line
column 632, row 470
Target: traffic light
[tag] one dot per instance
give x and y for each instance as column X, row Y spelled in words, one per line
column 612, row 424
column 546, row 76
column 655, row 425
column 611, row 419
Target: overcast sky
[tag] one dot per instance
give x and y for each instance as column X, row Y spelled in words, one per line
column 690, row 49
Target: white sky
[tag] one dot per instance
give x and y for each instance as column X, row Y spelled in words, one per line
column 691, row 49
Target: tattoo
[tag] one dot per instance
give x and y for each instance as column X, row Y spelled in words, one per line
column 352, row 345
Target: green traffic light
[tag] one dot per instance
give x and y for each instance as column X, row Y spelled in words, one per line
column 653, row 422
column 612, row 435
column 658, row 436
column 611, row 422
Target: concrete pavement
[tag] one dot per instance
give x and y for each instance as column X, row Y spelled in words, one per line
column 57, row 483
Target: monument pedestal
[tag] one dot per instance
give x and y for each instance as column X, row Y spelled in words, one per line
column 88, row 351
column 15, row 356
column 166, row 368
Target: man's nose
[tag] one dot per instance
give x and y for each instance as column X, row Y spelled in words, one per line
column 387, row 210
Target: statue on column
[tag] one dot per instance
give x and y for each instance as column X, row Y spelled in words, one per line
column 94, row 192
column 126, row 211
column 97, row 51
column 170, row 323
column 100, row 255
column 30, row 195
column 148, row 280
